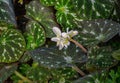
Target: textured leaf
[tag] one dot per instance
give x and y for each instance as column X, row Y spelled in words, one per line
column 93, row 9
column 96, row 31
column 25, row 58
column 52, row 57
column 4, row 26
column 12, row 46
column 35, row 35
column 116, row 54
column 6, row 11
column 66, row 73
column 65, row 13
column 44, row 15
column 48, row 2
column 96, row 77
column 100, row 58
column 6, row 71
column 38, row 74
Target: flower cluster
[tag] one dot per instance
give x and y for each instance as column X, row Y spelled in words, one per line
column 63, row 39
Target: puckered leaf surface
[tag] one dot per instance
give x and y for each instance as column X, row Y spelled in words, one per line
column 52, row 57
column 12, row 45
column 100, row 58
column 35, row 35
column 6, row 71
column 93, row 9
column 43, row 14
column 7, row 12
column 96, row 31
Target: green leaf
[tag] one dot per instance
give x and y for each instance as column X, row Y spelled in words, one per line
column 48, row 2
column 35, row 35
column 44, row 15
column 52, row 57
column 12, row 45
column 67, row 73
column 100, row 58
column 65, row 13
column 38, row 74
column 6, row 71
column 96, row 31
column 7, row 12
column 25, row 58
column 116, row 54
column 96, row 77
column 4, row 26
column 93, row 9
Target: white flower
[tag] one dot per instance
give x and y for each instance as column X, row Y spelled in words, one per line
column 69, row 34
column 62, row 39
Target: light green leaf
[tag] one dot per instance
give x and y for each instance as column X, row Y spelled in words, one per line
column 65, row 13
column 12, row 45
column 48, row 2
column 35, row 35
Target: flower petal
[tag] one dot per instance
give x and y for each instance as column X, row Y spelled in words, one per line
column 72, row 33
column 57, row 31
column 55, row 39
column 61, row 45
column 66, row 43
column 64, row 35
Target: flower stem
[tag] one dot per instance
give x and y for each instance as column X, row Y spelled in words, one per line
column 78, row 70
column 22, row 77
column 78, row 44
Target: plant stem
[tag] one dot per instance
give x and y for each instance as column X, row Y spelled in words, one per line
column 78, row 44
column 78, row 70
column 22, row 77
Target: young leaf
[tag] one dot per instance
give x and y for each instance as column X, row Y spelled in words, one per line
column 44, row 15
column 12, row 45
column 65, row 13
column 52, row 57
column 35, row 35
column 6, row 12
column 96, row 31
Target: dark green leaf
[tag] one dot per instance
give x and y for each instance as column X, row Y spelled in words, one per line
column 44, row 15
column 6, row 12
column 100, row 58
column 96, row 31
column 6, row 71
column 96, row 77
column 116, row 54
column 93, row 9
column 52, row 57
